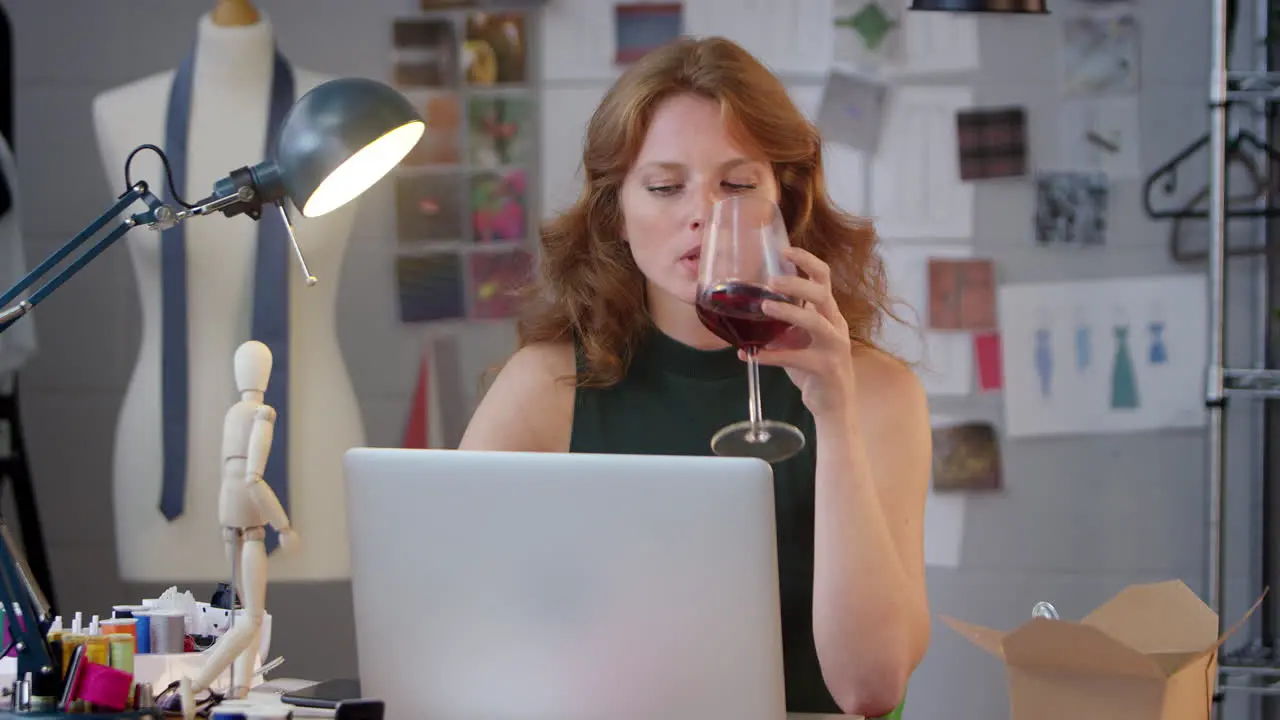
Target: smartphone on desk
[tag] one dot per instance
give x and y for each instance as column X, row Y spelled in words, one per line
column 326, row 694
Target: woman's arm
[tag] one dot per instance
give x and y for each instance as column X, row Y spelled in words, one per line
column 870, row 607
column 529, row 406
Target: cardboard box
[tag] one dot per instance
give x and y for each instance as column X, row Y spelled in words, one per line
column 1149, row 653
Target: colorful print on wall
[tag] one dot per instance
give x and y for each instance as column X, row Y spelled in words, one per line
column 494, row 279
column 499, row 206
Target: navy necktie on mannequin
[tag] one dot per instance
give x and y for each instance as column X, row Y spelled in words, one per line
column 270, row 301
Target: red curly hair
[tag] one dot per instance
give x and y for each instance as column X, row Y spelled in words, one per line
column 588, row 286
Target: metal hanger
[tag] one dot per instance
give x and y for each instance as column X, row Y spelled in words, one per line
column 1166, row 176
column 1259, row 185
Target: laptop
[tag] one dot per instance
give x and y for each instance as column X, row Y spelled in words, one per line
column 513, row 585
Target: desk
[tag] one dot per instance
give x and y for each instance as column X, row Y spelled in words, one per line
column 268, row 694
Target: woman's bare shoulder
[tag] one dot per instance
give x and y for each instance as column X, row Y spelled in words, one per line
column 529, row 406
column 887, row 385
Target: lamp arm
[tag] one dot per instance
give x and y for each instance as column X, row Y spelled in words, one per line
column 157, row 214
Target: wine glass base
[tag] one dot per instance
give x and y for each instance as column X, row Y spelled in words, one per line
column 770, row 440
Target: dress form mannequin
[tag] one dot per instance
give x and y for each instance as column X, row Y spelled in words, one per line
column 228, row 120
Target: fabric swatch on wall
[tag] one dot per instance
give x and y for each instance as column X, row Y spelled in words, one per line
column 993, row 143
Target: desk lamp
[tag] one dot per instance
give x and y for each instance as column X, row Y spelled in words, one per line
column 1008, row 7
column 335, row 143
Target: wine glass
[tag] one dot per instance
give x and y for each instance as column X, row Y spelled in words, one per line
column 741, row 253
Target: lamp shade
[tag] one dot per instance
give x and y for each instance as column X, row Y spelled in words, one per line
column 988, row 6
column 341, row 138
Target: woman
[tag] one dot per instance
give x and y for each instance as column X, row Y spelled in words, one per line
column 613, row 359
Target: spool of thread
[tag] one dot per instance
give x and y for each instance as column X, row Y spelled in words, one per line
column 168, row 631
column 97, row 649
column 126, row 611
column 117, row 626
column 70, row 641
column 122, row 651
column 144, row 696
column 142, row 628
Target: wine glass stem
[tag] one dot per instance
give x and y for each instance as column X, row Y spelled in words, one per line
column 753, row 392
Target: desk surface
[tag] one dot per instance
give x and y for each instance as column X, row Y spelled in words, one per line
column 269, row 693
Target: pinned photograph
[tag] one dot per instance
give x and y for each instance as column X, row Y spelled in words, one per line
column 425, row 52
column 499, row 206
column 430, row 208
column 495, row 51
column 992, row 142
column 495, row 278
column 1071, row 208
column 852, row 110
column 641, row 27
column 1100, row 54
column 966, row 456
column 868, row 33
column 430, row 287
column 441, row 144
column 501, row 131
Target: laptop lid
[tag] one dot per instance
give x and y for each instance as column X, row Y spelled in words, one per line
column 538, row 585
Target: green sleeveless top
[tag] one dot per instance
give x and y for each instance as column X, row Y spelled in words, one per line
column 672, row 400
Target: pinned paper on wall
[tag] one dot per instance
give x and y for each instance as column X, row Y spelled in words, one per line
column 986, row 355
column 992, row 142
column 962, row 294
column 641, row 27
column 868, row 33
column 939, row 43
column 1072, row 208
column 846, row 172
column 852, row 110
column 1104, row 356
column 943, row 360
column 1101, row 135
column 1100, row 54
column 966, row 457
column 918, row 192
column 943, row 520
column 576, row 42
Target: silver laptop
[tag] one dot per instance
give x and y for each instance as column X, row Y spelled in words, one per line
column 569, row 586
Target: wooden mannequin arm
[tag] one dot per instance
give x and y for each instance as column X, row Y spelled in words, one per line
column 259, row 449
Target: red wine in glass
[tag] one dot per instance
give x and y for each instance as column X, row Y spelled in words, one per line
column 732, row 311
column 742, row 252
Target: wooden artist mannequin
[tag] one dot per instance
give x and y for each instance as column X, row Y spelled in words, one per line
column 246, row 506
column 229, row 113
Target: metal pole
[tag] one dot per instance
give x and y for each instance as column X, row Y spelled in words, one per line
column 1214, row 396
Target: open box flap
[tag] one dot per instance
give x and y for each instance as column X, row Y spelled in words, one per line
column 985, row 638
column 1060, row 645
column 1232, row 630
column 1164, row 617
